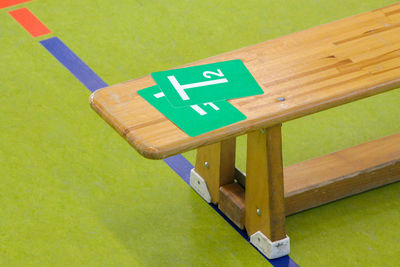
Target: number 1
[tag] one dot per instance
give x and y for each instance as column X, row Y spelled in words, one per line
column 202, row 111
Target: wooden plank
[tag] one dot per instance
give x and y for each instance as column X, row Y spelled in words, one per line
column 331, row 177
column 231, row 203
column 344, row 173
column 314, row 70
column 216, row 165
column 264, row 199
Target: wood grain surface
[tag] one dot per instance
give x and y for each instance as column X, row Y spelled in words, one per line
column 330, row 177
column 220, row 168
column 231, row 203
column 264, row 193
column 344, row 173
column 313, row 70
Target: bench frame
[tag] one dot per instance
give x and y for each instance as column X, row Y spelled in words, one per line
column 257, row 202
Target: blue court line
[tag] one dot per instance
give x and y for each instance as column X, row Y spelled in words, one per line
column 181, row 166
column 73, row 63
column 178, row 163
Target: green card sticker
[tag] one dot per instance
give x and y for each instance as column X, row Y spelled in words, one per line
column 207, row 83
column 195, row 119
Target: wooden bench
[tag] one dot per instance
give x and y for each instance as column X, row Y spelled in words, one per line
column 300, row 74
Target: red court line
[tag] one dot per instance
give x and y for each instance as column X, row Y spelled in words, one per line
column 8, row 3
column 29, row 22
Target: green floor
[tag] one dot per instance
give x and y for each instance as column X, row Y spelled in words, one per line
column 74, row 193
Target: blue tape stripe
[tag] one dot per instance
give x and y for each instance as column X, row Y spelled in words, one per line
column 181, row 166
column 73, row 63
column 177, row 163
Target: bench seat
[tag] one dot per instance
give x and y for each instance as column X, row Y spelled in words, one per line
column 313, row 70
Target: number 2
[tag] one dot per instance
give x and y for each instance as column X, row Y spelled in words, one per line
column 208, row 73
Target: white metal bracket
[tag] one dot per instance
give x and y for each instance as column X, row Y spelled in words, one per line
column 271, row 250
column 199, row 185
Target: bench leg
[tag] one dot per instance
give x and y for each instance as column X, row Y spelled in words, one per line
column 215, row 166
column 264, row 198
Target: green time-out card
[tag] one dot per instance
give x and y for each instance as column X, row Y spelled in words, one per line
column 194, row 119
column 207, row 83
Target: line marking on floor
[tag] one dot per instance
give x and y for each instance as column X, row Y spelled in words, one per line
column 31, row 23
column 73, row 63
column 10, row 3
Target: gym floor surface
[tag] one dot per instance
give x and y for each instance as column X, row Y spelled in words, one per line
column 74, row 193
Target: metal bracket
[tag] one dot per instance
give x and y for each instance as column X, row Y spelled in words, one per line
column 271, row 250
column 199, row 185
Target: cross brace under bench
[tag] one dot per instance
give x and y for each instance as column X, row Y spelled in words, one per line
column 300, row 74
